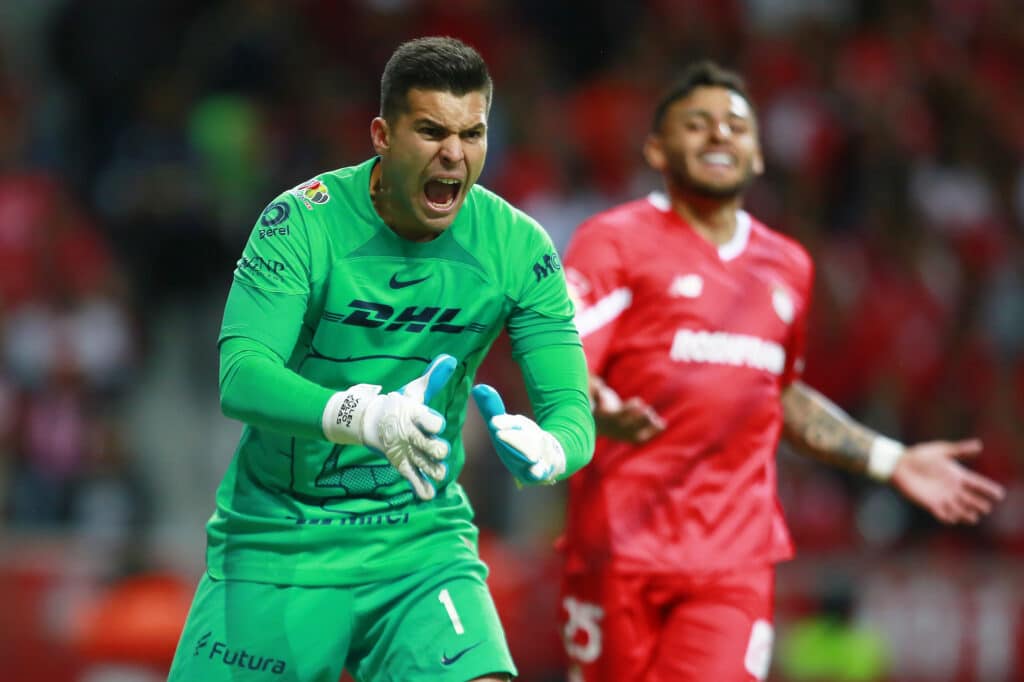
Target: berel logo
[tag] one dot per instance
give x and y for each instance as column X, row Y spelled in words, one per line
column 686, row 286
column 274, row 215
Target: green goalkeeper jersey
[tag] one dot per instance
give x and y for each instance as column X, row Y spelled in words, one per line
column 325, row 296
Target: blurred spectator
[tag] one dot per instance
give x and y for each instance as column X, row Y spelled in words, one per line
column 829, row 647
column 110, row 500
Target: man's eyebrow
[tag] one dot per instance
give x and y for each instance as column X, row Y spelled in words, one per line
column 426, row 121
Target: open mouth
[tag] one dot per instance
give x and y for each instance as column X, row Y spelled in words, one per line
column 718, row 159
column 441, row 193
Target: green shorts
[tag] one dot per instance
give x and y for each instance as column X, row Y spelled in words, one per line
column 438, row 624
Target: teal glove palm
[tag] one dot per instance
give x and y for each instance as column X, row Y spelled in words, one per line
column 532, row 454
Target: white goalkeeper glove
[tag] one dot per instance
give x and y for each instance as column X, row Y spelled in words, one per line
column 532, row 454
column 398, row 424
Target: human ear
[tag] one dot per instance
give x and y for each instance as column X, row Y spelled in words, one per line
column 380, row 135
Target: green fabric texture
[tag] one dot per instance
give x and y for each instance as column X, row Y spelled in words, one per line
column 435, row 625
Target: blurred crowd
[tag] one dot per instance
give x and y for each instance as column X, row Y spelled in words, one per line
column 140, row 141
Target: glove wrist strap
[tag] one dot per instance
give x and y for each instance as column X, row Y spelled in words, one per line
column 342, row 419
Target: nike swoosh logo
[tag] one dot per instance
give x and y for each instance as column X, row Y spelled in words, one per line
column 396, row 283
column 448, row 661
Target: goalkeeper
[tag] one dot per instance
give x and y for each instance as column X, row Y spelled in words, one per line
column 361, row 308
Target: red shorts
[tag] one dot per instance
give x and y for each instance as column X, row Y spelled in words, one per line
column 658, row 627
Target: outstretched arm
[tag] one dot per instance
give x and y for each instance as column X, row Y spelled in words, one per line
column 926, row 473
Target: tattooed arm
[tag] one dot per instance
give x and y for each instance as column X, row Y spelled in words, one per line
column 820, row 429
column 926, row 473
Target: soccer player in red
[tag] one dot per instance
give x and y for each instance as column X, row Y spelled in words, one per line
column 694, row 313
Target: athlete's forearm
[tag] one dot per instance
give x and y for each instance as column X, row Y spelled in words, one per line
column 820, row 429
column 556, row 382
column 569, row 424
column 256, row 388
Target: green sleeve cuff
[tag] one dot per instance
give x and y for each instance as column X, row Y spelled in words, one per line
column 556, row 382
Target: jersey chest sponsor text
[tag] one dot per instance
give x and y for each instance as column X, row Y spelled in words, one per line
column 413, row 318
column 723, row 348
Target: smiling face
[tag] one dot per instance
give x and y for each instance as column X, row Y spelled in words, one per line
column 431, row 155
column 707, row 144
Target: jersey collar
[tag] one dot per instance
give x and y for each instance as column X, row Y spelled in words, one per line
column 727, row 251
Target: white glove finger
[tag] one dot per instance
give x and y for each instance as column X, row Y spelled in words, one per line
column 423, row 490
column 431, row 446
column 541, row 471
column 417, row 388
column 523, row 442
column 428, row 420
column 436, row 470
column 423, row 388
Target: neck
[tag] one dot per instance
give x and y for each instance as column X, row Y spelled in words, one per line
column 378, row 197
column 713, row 219
column 382, row 200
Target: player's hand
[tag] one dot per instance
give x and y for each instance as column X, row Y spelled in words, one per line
column 930, row 475
column 397, row 424
column 633, row 421
column 532, row 454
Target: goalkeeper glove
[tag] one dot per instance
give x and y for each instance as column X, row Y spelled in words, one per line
column 398, row 424
column 532, row 454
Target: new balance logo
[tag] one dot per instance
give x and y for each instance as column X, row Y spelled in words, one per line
column 686, row 286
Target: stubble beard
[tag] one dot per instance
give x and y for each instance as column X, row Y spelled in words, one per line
column 704, row 190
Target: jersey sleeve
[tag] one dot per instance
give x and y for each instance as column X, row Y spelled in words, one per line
column 556, row 383
column 547, row 347
column 542, row 313
column 263, row 316
column 271, row 285
column 598, row 287
column 797, row 348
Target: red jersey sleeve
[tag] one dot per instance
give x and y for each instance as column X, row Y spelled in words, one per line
column 797, row 349
column 598, row 286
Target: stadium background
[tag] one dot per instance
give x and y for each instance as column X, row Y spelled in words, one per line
column 140, row 140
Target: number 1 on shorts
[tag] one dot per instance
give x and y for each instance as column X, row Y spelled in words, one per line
column 445, row 598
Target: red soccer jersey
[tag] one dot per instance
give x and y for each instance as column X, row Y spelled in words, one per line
column 708, row 336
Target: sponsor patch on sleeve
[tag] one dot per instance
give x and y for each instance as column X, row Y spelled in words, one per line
column 546, row 266
column 312, row 192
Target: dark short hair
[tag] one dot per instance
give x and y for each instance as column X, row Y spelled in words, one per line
column 704, row 73
column 431, row 63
